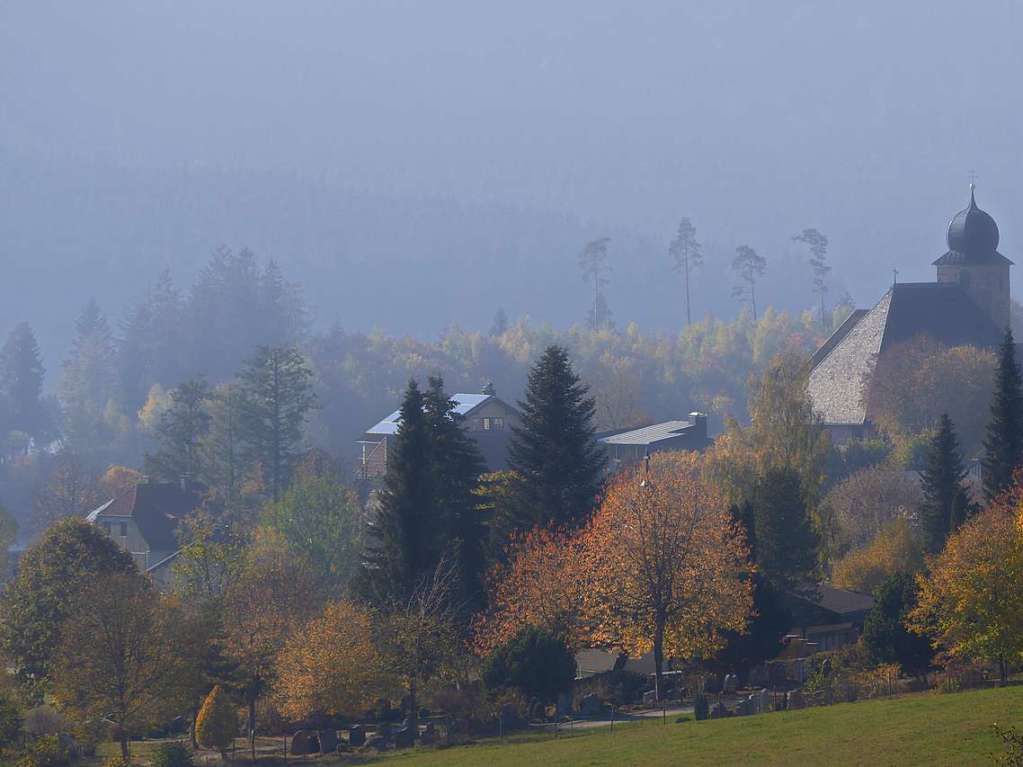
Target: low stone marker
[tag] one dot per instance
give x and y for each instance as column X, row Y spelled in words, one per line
column 730, row 684
column 357, row 735
column 589, row 705
column 305, row 742
column 328, row 741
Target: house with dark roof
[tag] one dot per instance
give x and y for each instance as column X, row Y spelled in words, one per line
column 144, row 521
column 968, row 304
column 630, row 446
column 487, row 419
column 829, row 618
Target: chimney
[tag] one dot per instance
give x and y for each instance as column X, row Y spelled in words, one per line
column 699, row 420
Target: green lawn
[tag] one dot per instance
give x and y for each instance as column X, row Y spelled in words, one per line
column 929, row 728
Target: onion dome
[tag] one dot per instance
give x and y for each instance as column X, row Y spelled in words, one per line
column 972, row 232
column 972, row 237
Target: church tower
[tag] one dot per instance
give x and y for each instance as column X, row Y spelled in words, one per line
column 974, row 263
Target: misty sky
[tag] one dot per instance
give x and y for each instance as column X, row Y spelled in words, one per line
column 348, row 138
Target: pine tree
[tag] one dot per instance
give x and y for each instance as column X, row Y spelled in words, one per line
column 404, row 535
column 457, row 466
column 21, row 380
column 686, row 254
column 593, row 266
column 946, row 503
column 554, row 450
column 748, row 266
column 818, row 245
column 224, row 460
column 181, row 431
column 277, row 395
column 786, row 542
column 88, row 385
column 1003, row 445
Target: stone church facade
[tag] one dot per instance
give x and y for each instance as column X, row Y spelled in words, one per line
column 968, row 304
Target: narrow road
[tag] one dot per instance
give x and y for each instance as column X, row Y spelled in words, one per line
column 604, row 720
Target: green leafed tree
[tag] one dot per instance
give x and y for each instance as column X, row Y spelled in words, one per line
column 182, row 429
column 554, row 450
column 277, row 395
column 120, row 658
column 321, row 518
column 1003, row 444
column 886, row 637
column 785, row 539
column 51, row 575
column 946, row 503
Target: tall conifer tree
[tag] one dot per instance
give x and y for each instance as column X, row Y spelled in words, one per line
column 784, row 538
column 403, row 535
column 457, row 466
column 946, row 502
column 554, row 450
column 1003, row 445
column 181, row 431
column 277, row 395
column 21, row 380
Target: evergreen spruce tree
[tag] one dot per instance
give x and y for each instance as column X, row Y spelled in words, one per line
column 946, row 503
column 403, row 536
column 554, row 450
column 1003, row 445
column 277, row 395
column 785, row 539
column 181, row 432
column 21, row 380
column 457, row 465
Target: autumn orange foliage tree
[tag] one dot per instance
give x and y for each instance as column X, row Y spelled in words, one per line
column 668, row 564
column 537, row 586
column 659, row 567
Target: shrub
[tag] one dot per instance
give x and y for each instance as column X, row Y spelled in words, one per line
column 43, row 720
column 701, row 708
column 43, row 752
column 116, row 761
column 618, row 687
column 534, row 662
column 10, row 722
column 172, row 755
column 217, row 723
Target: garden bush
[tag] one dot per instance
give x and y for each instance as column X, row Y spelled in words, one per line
column 172, row 755
column 534, row 662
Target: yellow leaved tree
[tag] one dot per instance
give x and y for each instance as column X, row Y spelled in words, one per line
column 971, row 603
column 331, row 665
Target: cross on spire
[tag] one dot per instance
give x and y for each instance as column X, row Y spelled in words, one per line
column 973, row 179
column 895, row 276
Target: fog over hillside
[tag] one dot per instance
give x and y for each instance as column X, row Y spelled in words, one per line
column 416, row 165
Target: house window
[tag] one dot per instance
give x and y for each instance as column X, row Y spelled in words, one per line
column 123, row 529
column 497, row 424
column 106, row 526
column 485, row 424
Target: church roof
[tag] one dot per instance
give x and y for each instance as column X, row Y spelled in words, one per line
column 941, row 311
